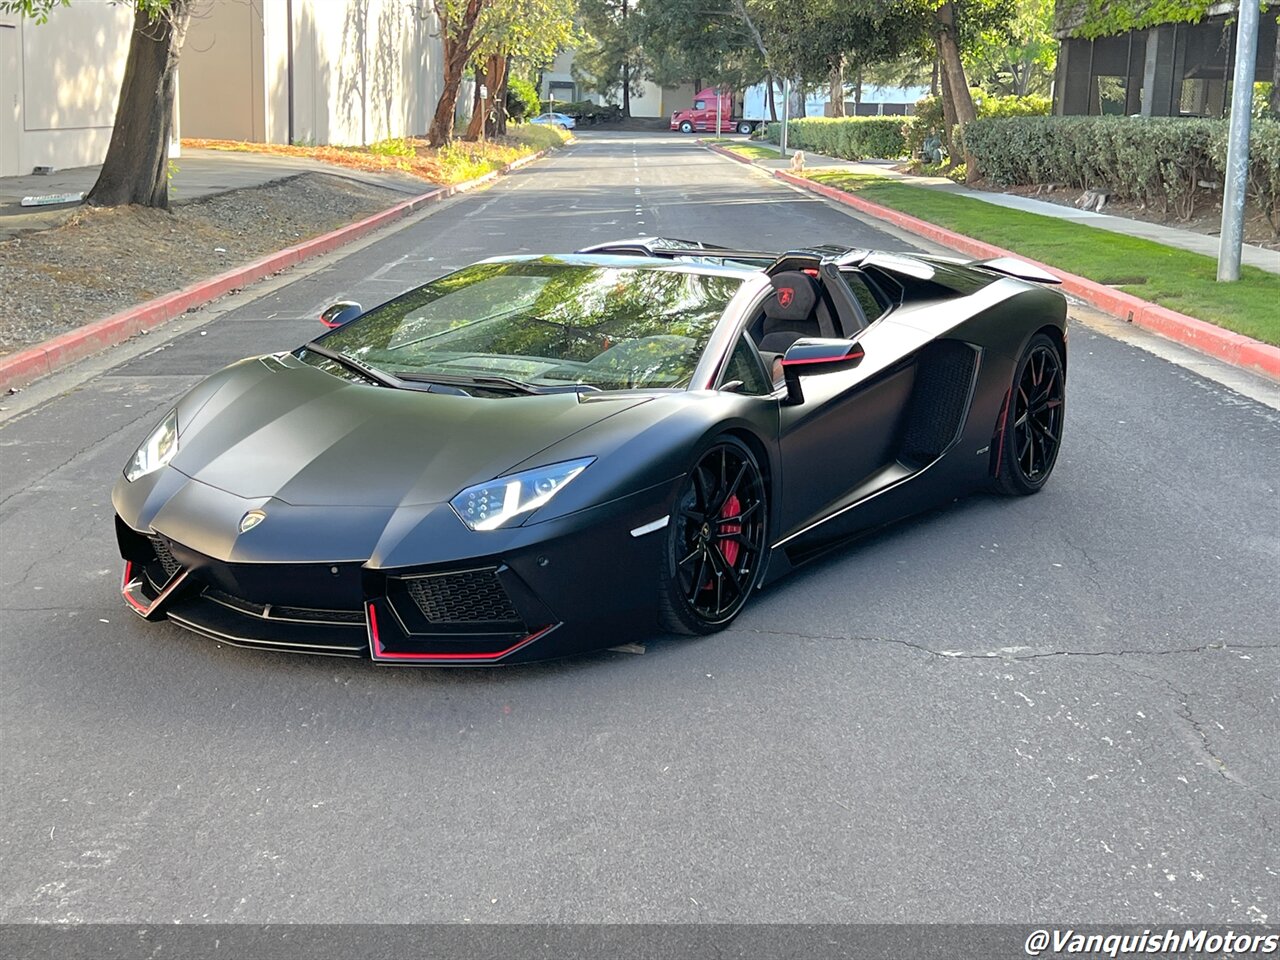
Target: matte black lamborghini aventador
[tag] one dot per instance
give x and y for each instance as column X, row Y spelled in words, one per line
column 539, row 455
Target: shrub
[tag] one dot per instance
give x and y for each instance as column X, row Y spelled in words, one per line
column 849, row 138
column 1157, row 161
column 928, row 120
column 394, row 147
column 522, row 99
column 1264, row 165
column 537, row 136
column 587, row 112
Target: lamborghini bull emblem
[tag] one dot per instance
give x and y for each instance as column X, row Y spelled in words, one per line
column 251, row 520
column 786, row 295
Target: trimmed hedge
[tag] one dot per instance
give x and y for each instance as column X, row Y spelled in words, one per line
column 1156, row 161
column 929, row 118
column 587, row 112
column 849, row 138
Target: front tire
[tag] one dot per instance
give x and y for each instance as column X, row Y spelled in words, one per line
column 1032, row 431
column 686, row 127
column 716, row 541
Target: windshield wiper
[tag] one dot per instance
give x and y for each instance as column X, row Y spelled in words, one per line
column 488, row 381
column 356, row 366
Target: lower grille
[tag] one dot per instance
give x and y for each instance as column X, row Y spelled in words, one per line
column 472, row 596
column 167, row 561
column 269, row 611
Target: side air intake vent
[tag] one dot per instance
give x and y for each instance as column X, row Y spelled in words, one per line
column 939, row 400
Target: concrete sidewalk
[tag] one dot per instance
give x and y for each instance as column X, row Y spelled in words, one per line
column 198, row 174
column 1205, row 244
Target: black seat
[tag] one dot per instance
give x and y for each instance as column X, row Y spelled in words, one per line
column 796, row 308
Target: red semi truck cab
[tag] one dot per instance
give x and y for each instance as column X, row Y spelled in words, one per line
column 701, row 117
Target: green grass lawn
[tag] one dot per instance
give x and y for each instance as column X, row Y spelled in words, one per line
column 1173, row 278
column 752, row 151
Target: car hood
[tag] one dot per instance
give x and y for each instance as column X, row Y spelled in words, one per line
column 283, row 429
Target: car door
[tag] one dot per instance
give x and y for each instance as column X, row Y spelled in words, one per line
column 841, row 443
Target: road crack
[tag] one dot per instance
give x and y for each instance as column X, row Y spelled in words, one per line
column 1014, row 653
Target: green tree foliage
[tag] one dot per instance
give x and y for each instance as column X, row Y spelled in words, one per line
column 610, row 59
column 1016, row 58
column 522, row 99
column 703, row 41
column 1100, row 18
column 531, row 32
column 806, row 42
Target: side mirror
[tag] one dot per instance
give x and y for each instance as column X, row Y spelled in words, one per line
column 344, row 311
column 809, row 356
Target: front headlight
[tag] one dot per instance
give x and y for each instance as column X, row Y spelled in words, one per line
column 487, row 506
column 155, row 451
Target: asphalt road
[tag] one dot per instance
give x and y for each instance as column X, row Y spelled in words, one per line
column 1060, row 707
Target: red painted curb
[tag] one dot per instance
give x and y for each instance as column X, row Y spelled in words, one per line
column 1233, row 348
column 727, row 153
column 30, row 364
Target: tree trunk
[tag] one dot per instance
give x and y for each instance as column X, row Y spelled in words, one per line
column 798, row 102
column 952, row 68
column 441, row 130
column 948, row 114
column 769, row 98
column 475, row 126
column 136, row 168
column 857, row 93
column 500, row 113
column 497, row 74
column 953, row 72
column 1274, row 101
column 455, row 39
column 626, row 63
column 836, row 93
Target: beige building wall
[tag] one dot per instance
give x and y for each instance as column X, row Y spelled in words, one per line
column 59, row 83
column 362, row 71
column 653, row 100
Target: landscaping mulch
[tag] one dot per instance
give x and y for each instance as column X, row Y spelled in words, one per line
column 101, row 261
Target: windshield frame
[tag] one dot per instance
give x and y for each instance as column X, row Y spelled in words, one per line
column 751, row 286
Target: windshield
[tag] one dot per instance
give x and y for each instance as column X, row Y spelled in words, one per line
column 544, row 324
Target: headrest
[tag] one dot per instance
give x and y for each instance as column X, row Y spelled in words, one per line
column 794, row 296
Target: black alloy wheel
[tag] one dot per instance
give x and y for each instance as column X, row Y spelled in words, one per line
column 1032, row 433
column 716, row 541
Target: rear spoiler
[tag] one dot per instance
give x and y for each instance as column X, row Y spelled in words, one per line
column 1013, row 267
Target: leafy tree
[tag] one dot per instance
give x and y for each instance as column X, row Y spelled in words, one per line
column 821, row 42
column 611, row 56
column 698, row 40
column 1017, row 59
column 458, row 21
column 136, row 168
column 531, row 31
column 522, row 99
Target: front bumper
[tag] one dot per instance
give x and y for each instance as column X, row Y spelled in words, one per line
column 550, row 589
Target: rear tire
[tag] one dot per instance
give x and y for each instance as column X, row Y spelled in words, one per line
column 1032, row 431
column 745, row 128
column 716, row 541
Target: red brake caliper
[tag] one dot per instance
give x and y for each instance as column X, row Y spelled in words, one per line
column 729, row 548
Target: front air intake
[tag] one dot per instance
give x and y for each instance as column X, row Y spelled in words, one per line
column 469, row 596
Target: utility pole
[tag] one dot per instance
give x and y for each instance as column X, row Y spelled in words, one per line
column 786, row 116
column 1237, row 174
